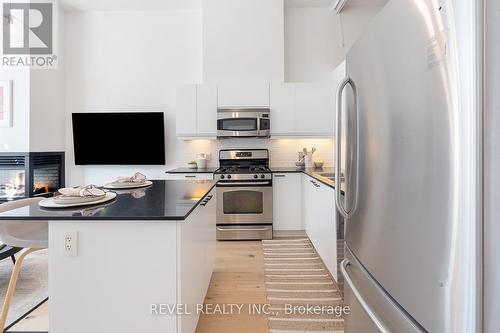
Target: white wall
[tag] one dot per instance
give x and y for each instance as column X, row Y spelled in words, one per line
column 47, row 109
column 16, row 138
column 128, row 61
column 354, row 21
column 312, row 45
column 133, row 61
column 315, row 43
column 243, row 40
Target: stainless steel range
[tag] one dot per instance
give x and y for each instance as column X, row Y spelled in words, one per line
column 244, row 195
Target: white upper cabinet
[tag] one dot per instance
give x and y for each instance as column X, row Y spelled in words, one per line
column 315, row 109
column 206, row 110
column 297, row 109
column 186, row 110
column 196, row 110
column 252, row 94
column 282, row 105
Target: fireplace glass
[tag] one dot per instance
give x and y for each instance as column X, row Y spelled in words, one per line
column 25, row 175
column 12, row 184
column 46, row 179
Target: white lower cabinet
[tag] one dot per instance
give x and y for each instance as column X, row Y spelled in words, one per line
column 196, row 252
column 320, row 220
column 190, row 176
column 287, row 202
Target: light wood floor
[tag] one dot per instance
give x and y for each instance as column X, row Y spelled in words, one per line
column 238, row 278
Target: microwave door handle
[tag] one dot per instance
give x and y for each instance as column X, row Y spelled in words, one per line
column 258, row 123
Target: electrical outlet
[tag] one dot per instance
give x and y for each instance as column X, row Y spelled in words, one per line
column 71, row 244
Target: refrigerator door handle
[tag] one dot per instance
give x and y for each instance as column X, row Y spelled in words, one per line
column 338, row 147
column 373, row 316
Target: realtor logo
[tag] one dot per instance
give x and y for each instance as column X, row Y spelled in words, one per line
column 28, row 34
column 27, row 28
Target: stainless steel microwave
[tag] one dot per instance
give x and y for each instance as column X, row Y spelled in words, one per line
column 243, row 122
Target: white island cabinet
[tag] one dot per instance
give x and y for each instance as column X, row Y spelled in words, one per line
column 320, row 220
column 128, row 275
column 287, row 204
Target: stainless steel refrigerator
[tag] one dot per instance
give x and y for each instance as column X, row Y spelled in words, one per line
column 408, row 137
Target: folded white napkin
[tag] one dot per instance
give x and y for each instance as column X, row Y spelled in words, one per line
column 87, row 191
column 136, row 178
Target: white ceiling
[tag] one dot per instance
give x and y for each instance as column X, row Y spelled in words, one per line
column 89, row 5
column 374, row 3
column 330, row 3
column 307, row 3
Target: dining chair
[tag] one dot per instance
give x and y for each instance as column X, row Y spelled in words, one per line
column 30, row 235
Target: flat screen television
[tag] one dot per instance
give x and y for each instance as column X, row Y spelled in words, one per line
column 132, row 138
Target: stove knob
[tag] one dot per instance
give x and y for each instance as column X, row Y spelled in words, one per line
column 255, row 176
column 222, row 177
column 228, row 176
column 262, row 176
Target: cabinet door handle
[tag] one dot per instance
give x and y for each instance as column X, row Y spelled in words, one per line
column 206, row 200
column 279, row 176
column 189, row 176
column 314, row 183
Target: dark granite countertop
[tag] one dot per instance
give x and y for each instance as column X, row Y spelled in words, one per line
column 164, row 200
column 314, row 173
column 188, row 170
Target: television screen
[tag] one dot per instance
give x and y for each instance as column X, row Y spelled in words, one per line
column 119, row 138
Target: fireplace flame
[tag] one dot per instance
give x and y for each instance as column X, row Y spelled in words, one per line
column 41, row 187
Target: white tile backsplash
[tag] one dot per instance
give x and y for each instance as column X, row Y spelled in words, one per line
column 283, row 152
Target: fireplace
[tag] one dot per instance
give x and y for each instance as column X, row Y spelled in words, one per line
column 24, row 175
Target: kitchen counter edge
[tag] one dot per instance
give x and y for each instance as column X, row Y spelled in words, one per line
column 149, row 218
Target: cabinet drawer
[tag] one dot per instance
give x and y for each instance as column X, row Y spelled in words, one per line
column 190, row 176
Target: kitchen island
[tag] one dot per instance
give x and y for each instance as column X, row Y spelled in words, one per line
column 133, row 260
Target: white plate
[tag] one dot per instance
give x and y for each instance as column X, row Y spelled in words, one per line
column 116, row 186
column 64, row 200
column 50, row 203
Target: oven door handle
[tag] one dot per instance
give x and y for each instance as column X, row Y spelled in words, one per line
column 232, row 184
column 243, row 229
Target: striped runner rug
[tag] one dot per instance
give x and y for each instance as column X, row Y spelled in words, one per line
column 302, row 295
